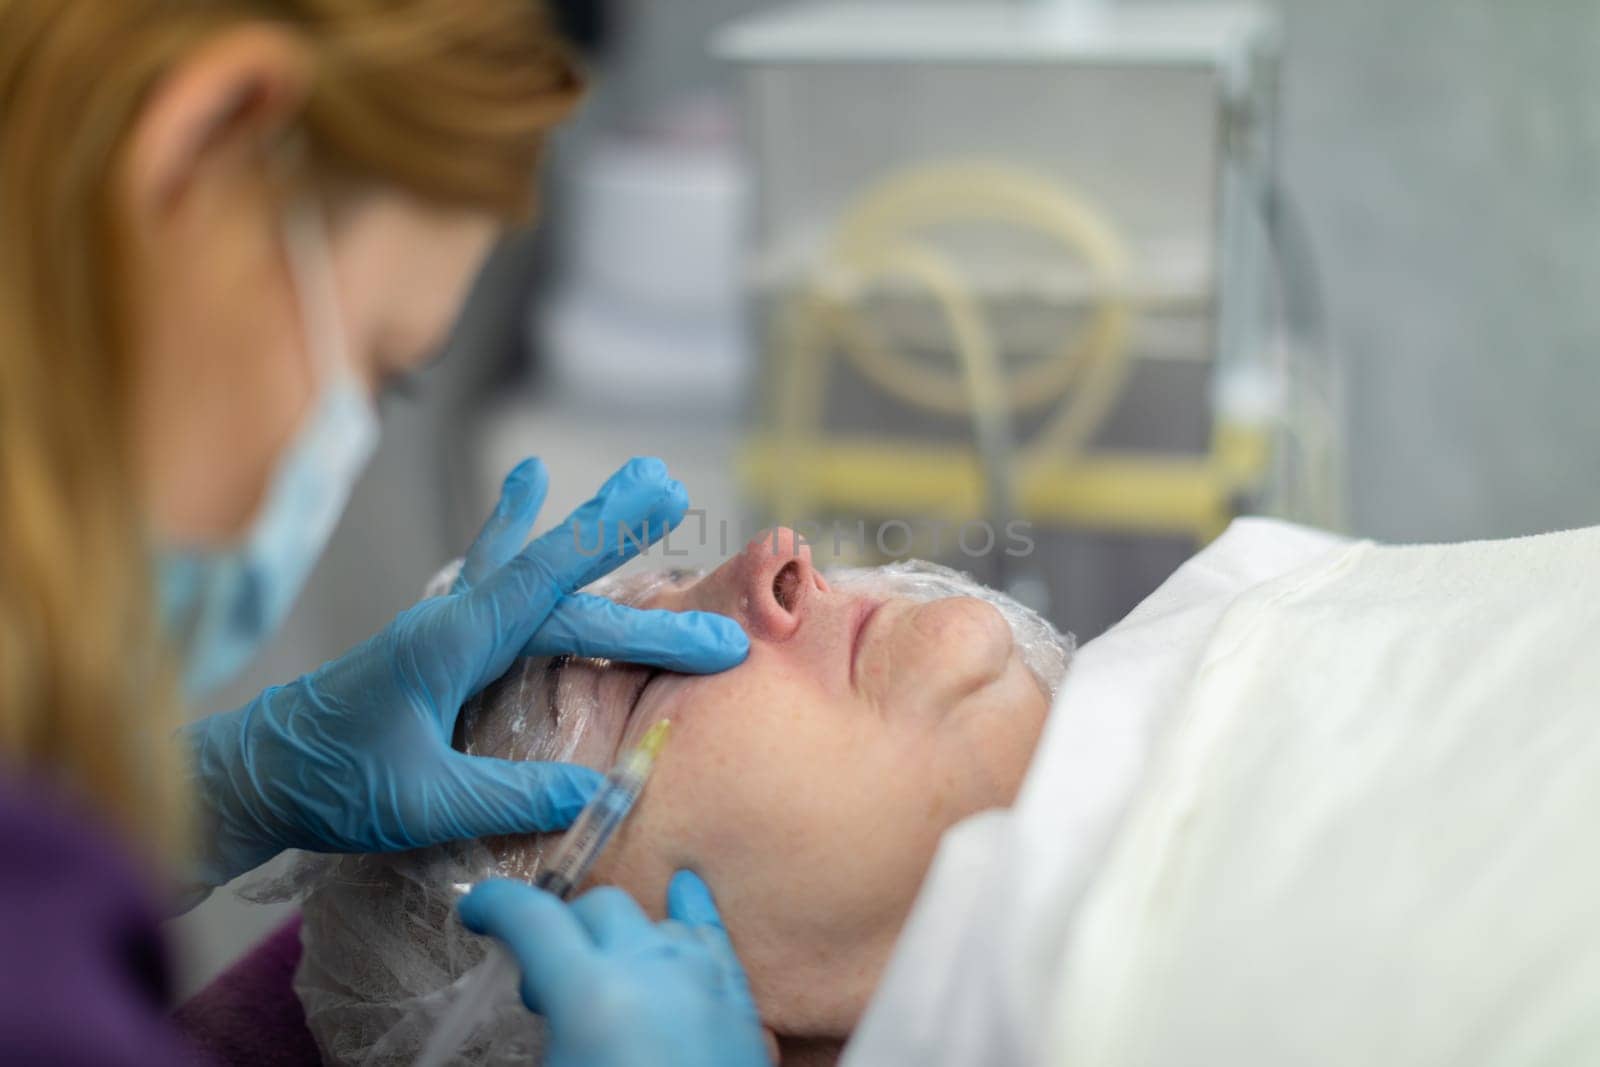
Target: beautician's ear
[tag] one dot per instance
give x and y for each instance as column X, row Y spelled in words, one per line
column 213, row 113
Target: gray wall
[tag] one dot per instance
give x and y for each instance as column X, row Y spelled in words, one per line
column 1446, row 154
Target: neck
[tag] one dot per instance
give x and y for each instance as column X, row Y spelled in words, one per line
column 809, row 1051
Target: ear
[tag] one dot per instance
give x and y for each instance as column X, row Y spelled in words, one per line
column 213, row 112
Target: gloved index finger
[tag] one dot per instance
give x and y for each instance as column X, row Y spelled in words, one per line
column 507, row 608
column 505, row 531
column 550, row 945
column 636, row 506
column 690, row 642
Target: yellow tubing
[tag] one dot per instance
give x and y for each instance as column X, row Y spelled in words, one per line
column 1187, row 496
column 877, row 237
column 897, row 208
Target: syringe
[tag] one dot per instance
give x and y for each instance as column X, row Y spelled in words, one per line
column 562, row 875
column 600, row 817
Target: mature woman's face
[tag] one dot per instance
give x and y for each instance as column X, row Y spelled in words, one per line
column 810, row 785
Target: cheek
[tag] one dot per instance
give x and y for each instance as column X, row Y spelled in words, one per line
column 221, row 381
column 405, row 274
column 768, row 789
column 423, row 307
column 991, row 739
column 944, row 651
column 742, row 769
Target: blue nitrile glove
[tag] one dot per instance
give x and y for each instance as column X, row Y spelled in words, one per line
column 618, row 990
column 356, row 756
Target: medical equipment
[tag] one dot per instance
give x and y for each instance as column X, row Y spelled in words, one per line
column 601, row 816
column 1024, row 260
column 561, row 875
column 645, row 307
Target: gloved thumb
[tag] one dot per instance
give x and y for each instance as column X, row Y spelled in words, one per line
column 501, row 796
column 689, row 902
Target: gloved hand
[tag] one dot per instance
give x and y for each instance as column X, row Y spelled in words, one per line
column 618, row 990
column 356, row 756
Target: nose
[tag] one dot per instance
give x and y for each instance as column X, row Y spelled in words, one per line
column 778, row 578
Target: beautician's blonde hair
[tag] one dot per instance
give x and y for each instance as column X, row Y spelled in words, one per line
column 448, row 99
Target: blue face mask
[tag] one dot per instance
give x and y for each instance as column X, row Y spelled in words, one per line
column 220, row 606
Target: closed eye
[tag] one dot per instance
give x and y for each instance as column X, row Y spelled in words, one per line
column 552, row 685
column 638, row 694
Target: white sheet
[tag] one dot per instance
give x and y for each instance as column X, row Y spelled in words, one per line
column 1372, row 834
column 970, row 979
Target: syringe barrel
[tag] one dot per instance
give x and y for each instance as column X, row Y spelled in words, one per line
column 588, row 836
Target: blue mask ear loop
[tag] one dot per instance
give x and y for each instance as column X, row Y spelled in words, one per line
column 316, row 283
column 223, row 604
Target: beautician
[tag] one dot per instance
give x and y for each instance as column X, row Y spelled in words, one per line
column 226, row 226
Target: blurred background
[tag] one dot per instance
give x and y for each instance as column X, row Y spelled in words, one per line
column 1115, row 270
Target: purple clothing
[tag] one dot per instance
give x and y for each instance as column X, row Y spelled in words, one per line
column 249, row 1014
column 83, row 966
column 83, row 969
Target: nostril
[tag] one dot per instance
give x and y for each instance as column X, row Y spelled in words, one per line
column 786, row 585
